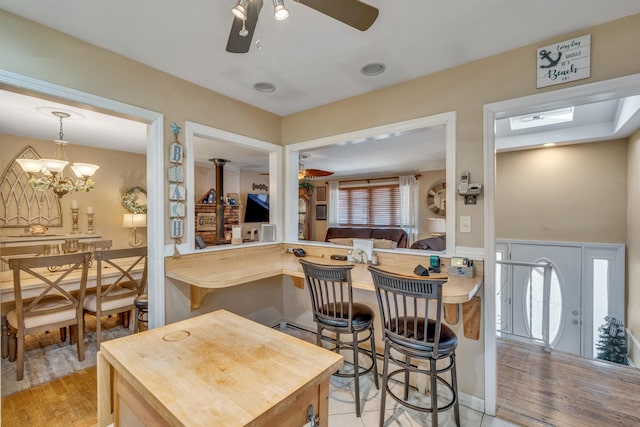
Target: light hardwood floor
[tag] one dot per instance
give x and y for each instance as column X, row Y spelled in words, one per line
column 534, row 389
column 558, row 389
column 69, row 401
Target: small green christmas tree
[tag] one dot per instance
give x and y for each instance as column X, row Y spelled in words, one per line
column 612, row 344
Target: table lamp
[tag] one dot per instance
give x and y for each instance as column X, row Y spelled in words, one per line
column 134, row 221
column 436, row 226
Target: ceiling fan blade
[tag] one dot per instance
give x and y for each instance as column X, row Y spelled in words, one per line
column 315, row 173
column 236, row 42
column 351, row 12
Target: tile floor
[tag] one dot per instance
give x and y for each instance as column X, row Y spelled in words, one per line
column 342, row 412
column 342, row 409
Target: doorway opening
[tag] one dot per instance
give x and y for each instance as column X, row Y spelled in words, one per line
column 602, row 91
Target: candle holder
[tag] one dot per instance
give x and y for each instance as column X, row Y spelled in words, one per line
column 74, row 219
column 89, row 223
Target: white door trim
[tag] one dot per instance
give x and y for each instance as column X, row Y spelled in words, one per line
column 155, row 174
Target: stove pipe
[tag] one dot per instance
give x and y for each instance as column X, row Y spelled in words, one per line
column 219, row 197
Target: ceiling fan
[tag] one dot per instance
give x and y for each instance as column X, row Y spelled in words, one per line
column 354, row 13
column 304, row 173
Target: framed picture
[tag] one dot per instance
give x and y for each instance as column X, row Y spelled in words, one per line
column 321, row 212
column 205, row 221
column 321, row 194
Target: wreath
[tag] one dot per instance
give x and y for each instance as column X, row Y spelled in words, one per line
column 130, row 200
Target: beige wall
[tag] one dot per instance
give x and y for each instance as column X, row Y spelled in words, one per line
column 633, row 235
column 35, row 51
column 465, row 89
column 573, row 193
column 261, row 301
column 205, row 179
column 118, row 172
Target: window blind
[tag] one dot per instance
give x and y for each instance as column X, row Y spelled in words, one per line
column 377, row 205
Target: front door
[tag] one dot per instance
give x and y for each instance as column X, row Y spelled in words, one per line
column 566, row 294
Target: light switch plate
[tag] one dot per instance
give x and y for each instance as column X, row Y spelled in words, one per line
column 465, row 224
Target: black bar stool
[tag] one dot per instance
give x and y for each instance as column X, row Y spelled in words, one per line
column 408, row 330
column 142, row 312
column 334, row 310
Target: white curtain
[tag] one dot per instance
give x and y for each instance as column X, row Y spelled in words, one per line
column 409, row 187
column 334, row 200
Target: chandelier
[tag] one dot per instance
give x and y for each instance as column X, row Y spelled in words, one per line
column 48, row 174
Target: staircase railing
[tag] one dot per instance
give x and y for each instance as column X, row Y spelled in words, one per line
column 546, row 297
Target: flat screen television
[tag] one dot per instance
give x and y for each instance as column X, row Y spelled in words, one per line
column 257, row 208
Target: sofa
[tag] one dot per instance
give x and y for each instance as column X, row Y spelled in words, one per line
column 340, row 234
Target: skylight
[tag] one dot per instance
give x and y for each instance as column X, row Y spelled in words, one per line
column 544, row 118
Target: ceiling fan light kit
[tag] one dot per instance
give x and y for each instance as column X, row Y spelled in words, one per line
column 240, row 9
column 309, row 174
column 353, row 13
column 280, row 12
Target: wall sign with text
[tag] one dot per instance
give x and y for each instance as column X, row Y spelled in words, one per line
column 564, row 62
column 177, row 191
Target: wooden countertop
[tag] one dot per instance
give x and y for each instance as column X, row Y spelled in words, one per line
column 218, row 369
column 220, row 269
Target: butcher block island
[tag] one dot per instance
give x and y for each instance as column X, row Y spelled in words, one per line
column 217, row 369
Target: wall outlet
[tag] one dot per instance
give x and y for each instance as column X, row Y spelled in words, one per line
column 465, row 224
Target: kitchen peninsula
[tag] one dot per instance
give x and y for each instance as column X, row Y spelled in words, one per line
column 207, row 271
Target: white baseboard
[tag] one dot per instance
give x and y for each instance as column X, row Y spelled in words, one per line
column 633, row 349
column 472, row 402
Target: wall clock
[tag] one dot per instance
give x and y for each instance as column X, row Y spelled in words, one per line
column 437, row 198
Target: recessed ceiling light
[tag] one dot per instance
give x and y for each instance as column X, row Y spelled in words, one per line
column 373, row 69
column 264, row 87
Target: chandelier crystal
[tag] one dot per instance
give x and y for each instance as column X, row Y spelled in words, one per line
column 48, row 174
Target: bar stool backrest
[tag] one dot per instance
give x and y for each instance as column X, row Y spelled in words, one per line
column 405, row 304
column 331, row 293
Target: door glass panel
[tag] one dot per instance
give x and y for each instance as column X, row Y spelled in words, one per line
column 533, row 305
column 502, row 294
column 600, row 296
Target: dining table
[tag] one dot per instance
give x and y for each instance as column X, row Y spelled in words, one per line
column 31, row 286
